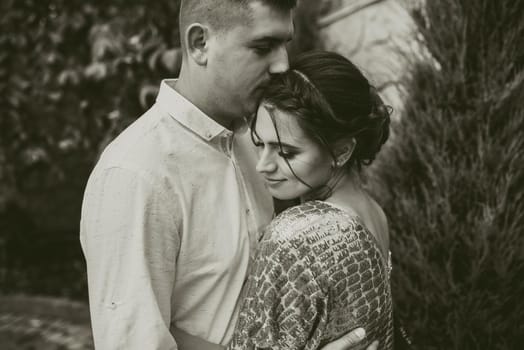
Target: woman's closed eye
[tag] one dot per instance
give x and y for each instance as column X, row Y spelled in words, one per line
column 287, row 154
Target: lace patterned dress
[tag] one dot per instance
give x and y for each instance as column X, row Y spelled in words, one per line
column 319, row 273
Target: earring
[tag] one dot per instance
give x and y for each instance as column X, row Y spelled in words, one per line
column 341, row 161
column 336, row 164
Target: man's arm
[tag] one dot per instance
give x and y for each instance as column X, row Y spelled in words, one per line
column 129, row 239
column 350, row 341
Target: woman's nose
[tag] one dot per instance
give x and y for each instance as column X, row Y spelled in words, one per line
column 265, row 164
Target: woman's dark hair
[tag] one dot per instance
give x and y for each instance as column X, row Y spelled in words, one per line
column 332, row 101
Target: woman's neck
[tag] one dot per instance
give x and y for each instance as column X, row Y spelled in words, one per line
column 346, row 188
column 339, row 188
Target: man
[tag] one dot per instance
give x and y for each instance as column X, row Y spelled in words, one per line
column 174, row 207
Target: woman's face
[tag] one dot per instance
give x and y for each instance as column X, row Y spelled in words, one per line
column 309, row 161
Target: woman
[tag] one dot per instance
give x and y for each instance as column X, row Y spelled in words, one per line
column 323, row 266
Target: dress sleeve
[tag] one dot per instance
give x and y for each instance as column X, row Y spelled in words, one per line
column 284, row 308
column 322, row 278
column 130, row 243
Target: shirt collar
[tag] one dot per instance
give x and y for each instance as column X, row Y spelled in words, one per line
column 187, row 113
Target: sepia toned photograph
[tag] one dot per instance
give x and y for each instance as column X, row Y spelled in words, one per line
column 261, row 175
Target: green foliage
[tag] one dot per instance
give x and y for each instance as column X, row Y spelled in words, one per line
column 73, row 74
column 453, row 180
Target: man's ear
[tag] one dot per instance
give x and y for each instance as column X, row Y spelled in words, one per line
column 343, row 151
column 197, row 39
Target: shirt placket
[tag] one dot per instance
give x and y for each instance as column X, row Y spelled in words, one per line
column 251, row 223
column 224, row 143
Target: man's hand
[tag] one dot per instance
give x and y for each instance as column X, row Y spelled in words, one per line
column 350, row 341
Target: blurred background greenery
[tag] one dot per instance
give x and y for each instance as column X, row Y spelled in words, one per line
column 74, row 73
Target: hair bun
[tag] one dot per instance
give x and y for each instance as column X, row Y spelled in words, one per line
column 371, row 138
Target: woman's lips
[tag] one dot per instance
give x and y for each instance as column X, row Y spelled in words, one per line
column 274, row 181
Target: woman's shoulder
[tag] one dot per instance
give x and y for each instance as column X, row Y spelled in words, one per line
column 312, row 219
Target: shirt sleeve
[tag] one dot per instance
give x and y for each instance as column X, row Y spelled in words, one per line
column 130, row 242
column 284, row 307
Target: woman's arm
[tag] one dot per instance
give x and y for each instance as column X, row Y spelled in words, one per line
column 284, row 308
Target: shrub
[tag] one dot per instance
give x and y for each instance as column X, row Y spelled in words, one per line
column 73, row 76
column 452, row 180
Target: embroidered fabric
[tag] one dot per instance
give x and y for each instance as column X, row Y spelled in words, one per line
column 319, row 273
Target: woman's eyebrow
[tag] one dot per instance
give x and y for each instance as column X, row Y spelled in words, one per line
column 287, row 145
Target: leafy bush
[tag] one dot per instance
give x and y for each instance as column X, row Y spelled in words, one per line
column 74, row 73
column 452, row 181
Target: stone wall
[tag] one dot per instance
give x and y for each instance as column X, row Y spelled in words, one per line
column 379, row 36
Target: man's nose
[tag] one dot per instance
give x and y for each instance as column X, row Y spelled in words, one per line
column 280, row 62
column 265, row 165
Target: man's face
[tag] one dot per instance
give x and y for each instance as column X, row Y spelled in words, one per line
column 242, row 59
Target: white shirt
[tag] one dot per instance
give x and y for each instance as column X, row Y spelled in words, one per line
column 170, row 215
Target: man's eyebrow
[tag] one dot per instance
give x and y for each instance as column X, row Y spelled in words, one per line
column 271, row 40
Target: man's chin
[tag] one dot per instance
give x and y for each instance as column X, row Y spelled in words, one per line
column 250, row 109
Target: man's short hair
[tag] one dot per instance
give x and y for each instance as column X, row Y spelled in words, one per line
column 223, row 15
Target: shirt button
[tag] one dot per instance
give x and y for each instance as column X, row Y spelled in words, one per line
column 247, row 211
